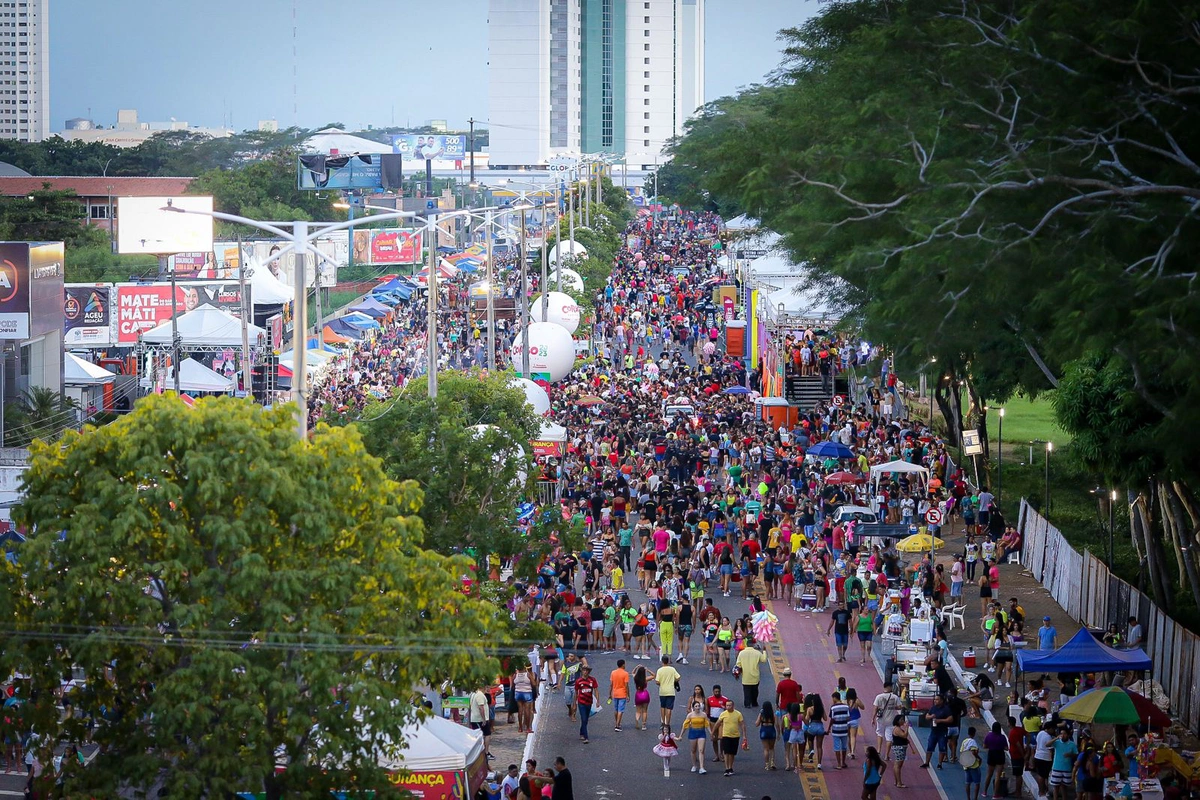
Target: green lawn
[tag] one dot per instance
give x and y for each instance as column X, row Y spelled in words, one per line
column 1026, row 420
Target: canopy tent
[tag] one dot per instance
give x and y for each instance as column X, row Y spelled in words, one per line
column 311, row 357
column 741, row 223
column 206, row 326
column 879, row 470
column 194, row 377
column 324, row 347
column 78, row 372
column 552, row 432
column 1083, row 653
column 360, row 320
column 395, row 283
column 372, row 308
column 440, row 759
column 343, row 328
column 265, row 288
column 331, row 336
column 805, row 302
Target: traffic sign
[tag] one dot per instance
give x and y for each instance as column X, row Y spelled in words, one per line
column 838, row 400
column 934, row 516
column 972, row 445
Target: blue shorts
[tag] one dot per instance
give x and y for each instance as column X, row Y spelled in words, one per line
column 619, row 703
column 666, row 701
column 841, row 742
column 972, row 775
column 727, row 569
column 697, row 733
column 841, row 639
column 523, row 697
column 937, row 738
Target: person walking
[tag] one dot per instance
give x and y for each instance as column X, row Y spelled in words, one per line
column 731, row 729
column 995, row 744
column 768, row 733
column 618, row 692
column 666, row 749
column 864, row 626
column 667, row 679
column 887, row 704
column 968, row 757
column 839, row 625
column 856, row 709
column 940, row 717
column 641, row 697
column 694, row 731
column 900, row 745
column 814, row 727
column 749, row 672
column 873, row 769
column 524, row 683
column 585, row 697
column 839, row 729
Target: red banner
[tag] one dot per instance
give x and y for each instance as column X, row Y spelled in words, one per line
column 432, row 784
column 144, row 307
column 543, row 447
column 395, row 247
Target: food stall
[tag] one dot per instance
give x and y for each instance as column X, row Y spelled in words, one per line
column 441, row 760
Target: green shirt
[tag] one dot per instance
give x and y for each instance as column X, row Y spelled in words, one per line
column 753, row 507
column 625, row 537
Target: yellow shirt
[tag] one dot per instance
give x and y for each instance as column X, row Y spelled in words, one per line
column 666, row 677
column 749, row 661
column 618, row 578
column 797, row 541
column 730, row 724
column 773, row 537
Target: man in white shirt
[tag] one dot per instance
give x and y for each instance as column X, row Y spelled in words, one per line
column 510, row 784
column 887, row 705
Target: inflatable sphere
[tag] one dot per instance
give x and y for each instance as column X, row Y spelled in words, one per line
column 571, row 280
column 561, row 310
column 535, row 395
column 551, row 350
column 642, row 264
column 566, row 249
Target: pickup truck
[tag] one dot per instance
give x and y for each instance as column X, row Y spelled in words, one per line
column 868, row 526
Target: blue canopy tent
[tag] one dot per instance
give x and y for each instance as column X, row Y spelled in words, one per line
column 372, row 308
column 1083, row 653
column 830, row 449
column 312, row 345
column 395, row 283
column 360, row 321
column 397, row 295
column 343, row 328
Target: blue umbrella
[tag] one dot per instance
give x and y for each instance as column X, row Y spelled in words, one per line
column 736, row 390
column 830, row 450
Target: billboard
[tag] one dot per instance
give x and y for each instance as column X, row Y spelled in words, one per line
column 145, row 226
column 31, row 288
column 421, row 147
column 87, row 314
column 144, row 306
column 320, row 171
column 395, row 247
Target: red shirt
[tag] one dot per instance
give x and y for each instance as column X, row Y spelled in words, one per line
column 789, row 692
column 1016, row 745
column 585, row 690
column 716, row 704
column 755, row 547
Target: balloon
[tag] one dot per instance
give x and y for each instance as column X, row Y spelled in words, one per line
column 562, row 310
column 642, row 264
column 502, row 456
column 567, row 248
column 570, row 280
column 666, row 257
column 551, row 350
column 535, row 395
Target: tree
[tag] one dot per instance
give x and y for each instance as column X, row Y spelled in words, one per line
column 233, row 596
column 472, row 479
column 39, row 413
column 48, row 215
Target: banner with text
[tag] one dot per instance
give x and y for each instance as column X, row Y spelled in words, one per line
column 87, row 317
column 143, row 306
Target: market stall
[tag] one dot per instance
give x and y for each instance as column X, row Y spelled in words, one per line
column 879, row 471
column 90, row 385
column 441, row 760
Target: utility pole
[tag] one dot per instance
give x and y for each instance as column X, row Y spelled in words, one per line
column 558, row 232
column 300, row 329
column 174, row 324
column 471, row 145
column 431, row 334
column 491, row 295
column 317, row 291
column 545, row 283
column 524, row 320
column 571, row 218
column 246, row 383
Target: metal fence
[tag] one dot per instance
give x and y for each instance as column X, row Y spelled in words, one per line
column 1082, row 584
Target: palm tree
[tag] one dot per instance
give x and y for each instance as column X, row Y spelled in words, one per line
column 40, row 413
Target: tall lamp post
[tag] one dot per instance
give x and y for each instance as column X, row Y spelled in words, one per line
column 1046, row 506
column 522, row 207
column 1112, row 501
column 541, row 190
column 1000, row 460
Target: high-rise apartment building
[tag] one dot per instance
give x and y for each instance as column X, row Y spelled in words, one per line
column 591, row 76
column 25, row 70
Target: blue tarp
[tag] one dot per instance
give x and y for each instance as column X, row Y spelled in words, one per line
column 394, row 284
column 372, row 307
column 1083, row 653
column 360, row 321
column 312, row 345
column 343, row 328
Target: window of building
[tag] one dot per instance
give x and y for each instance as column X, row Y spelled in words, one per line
column 646, row 101
column 647, row 20
column 101, row 211
column 646, row 142
column 645, row 61
column 646, row 129
column 647, row 46
column 646, row 74
column 645, row 33
column 646, row 115
column 646, row 87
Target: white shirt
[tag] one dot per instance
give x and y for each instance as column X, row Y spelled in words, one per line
column 1042, row 751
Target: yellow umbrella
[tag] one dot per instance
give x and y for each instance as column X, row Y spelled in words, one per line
column 918, row 543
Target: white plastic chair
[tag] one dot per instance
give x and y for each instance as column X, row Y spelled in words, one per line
column 946, row 615
column 958, row 614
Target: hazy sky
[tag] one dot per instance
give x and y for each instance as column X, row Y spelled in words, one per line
column 208, row 61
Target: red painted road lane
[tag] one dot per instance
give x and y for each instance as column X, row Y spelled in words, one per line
column 811, row 654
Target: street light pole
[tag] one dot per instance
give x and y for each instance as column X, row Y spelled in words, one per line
column 300, row 329
column 431, row 348
column 524, row 321
column 491, row 293
column 558, row 233
column 1112, row 501
column 1000, row 461
column 1046, row 507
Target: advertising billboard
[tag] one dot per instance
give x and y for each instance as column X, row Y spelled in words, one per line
column 395, row 247
column 421, row 147
column 31, row 288
column 320, row 171
column 144, row 306
column 146, row 225
column 87, row 314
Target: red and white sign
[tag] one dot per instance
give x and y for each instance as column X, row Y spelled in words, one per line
column 934, row 516
column 144, row 307
column 727, row 302
column 838, row 400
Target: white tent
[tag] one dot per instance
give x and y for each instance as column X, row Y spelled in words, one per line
column 552, row 432
column 741, row 223
column 879, row 470
column 433, row 745
column 331, row 139
column 78, row 372
column 265, row 288
column 206, row 326
column 194, row 377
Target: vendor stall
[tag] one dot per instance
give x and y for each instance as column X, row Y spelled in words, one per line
column 441, row 760
column 1083, row 653
column 921, row 474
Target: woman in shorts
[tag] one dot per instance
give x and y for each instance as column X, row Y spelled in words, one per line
column 899, row 749
column 695, row 731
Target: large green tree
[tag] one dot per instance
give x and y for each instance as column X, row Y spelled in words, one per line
column 473, row 479
column 233, row 597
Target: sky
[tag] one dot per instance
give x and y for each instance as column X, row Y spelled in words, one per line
column 359, row 62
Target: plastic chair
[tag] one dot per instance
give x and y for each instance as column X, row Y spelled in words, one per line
column 958, row 614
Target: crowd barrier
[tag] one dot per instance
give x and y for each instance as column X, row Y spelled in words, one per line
column 1082, row 584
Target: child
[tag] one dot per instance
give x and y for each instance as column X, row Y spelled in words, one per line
column 666, row 749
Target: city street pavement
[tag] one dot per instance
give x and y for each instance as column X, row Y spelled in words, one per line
column 622, row 764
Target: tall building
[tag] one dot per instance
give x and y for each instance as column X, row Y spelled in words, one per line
column 591, row 76
column 25, row 70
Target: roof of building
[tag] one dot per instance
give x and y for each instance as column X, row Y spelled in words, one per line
column 117, row 186
column 12, row 171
